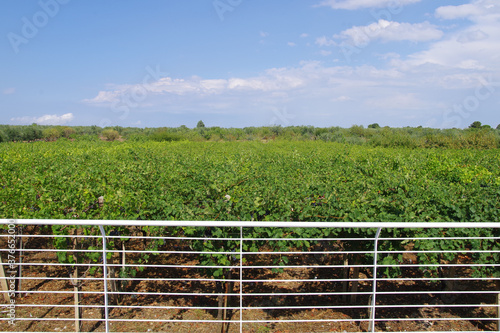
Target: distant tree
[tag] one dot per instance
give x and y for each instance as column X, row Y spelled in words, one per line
column 52, row 133
column 3, row 137
column 119, row 129
column 67, row 132
column 110, row 134
column 93, row 130
column 357, row 130
column 476, row 124
column 486, row 126
column 374, row 125
column 14, row 133
column 32, row 132
column 498, row 127
column 200, row 124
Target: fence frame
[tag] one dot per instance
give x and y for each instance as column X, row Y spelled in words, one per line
column 249, row 224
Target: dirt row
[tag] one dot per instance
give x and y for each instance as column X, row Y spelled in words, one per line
column 143, row 311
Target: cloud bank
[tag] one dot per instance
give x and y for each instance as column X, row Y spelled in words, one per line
column 48, row 119
column 415, row 88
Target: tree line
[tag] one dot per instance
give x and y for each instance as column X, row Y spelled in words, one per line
column 476, row 135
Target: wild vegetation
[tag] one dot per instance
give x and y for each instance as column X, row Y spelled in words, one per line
column 476, row 136
column 163, row 176
column 276, row 181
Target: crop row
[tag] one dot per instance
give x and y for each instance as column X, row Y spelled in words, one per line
column 277, row 181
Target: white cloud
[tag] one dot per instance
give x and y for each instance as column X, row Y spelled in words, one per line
column 324, row 41
column 272, row 80
column 9, row 91
column 406, row 101
column 308, row 86
column 357, row 4
column 472, row 36
column 139, row 92
column 478, row 10
column 405, row 91
column 473, row 47
column 291, row 44
column 391, row 31
column 47, row 119
column 456, row 12
column 104, row 97
column 342, row 99
column 304, row 35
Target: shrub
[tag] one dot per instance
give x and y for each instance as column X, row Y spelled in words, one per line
column 433, row 140
column 483, row 139
column 67, row 132
column 110, row 134
column 3, row 137
column 357, row 130
column 14, row 133
column 30, row 133
column 52, row 133
column 165, row 136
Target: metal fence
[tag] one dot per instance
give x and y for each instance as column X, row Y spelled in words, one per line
column 368, row 277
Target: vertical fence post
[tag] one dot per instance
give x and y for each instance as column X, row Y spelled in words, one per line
column 20, row 284
column 374, row 292
column 105, row 278
column 241, row 279
column 3, row 278
column 498, row 304
column 3, row 282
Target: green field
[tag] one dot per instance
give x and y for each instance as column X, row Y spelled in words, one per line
column 257, row 181
column 277, row 181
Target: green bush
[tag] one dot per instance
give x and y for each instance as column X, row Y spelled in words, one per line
column 165, row 136
column 32, row 132
column 14, row 133
column 110, row 134
column 481, row 139
column 3, row 137
column 68, row 132
column 52, row 133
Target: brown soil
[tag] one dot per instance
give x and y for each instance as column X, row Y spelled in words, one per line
column 354, row 319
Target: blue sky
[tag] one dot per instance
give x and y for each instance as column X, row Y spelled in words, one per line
column 237, row 63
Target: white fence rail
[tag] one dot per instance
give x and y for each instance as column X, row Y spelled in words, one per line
column 353, row 280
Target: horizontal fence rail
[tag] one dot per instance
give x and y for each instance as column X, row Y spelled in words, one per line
column 207, row 276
